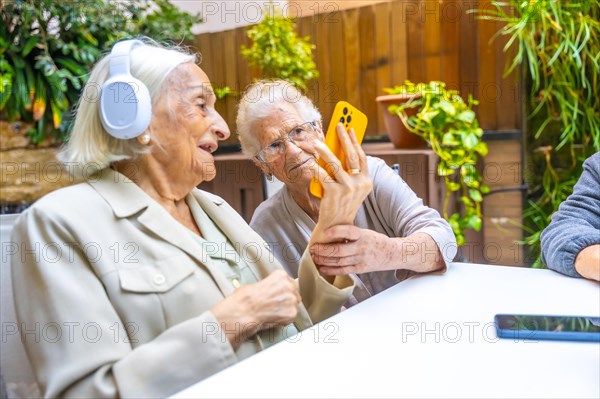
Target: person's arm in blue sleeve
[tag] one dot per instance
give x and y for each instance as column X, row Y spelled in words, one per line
column 571, row 243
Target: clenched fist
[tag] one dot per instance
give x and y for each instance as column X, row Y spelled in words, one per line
column 270, row 302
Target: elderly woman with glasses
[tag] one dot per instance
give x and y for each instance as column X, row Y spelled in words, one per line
column 135, row 283
column 393, row 235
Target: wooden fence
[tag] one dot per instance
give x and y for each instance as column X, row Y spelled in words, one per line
column 360, row 51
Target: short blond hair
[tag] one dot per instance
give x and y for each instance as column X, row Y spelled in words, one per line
column 259, row 100
column 89, row 144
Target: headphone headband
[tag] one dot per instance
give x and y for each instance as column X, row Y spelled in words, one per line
column 119, row 57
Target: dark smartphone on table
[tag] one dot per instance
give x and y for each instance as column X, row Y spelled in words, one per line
column 548, row 327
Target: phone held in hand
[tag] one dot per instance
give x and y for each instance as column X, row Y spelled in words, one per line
column 548, row 327
column 351, row 118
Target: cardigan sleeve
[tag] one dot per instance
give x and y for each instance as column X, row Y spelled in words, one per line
column 576, row 224
column 405, row 213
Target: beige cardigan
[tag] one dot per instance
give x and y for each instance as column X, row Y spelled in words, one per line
column 114, row 296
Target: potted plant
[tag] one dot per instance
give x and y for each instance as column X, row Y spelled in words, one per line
column 449, row 125
column 399, row 134
column 278, row 52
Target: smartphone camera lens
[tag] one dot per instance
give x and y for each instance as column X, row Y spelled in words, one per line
column 345, row 111
column 349, row 118
column 342, row 120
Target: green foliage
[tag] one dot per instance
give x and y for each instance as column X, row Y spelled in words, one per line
column 278, row 51
column 47, row 47
column 449, row 125
column 559, row 43
column 222, row 92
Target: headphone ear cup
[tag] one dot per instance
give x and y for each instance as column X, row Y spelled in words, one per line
column 125, row 107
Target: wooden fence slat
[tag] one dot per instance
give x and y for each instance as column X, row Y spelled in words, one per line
column 450, row 17
column 488, row 87
column 384, row 58
column 352, row 43
column 204, row 49
column 218, row 74
column 305, row 26
column 415, row 39
column 323, row 52
column 508, row 106
column 368, row 67
column 399, row 43
column 230, row 53
column 243, row 69
column 335, row 90
column 430, row 14
column 468, row 52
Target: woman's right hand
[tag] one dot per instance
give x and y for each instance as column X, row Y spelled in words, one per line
column 343, row 192
column 271, row 302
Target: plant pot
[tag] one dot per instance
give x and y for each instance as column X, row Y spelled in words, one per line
column 398, row 133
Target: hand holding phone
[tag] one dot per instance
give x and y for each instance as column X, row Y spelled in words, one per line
column 351, row 118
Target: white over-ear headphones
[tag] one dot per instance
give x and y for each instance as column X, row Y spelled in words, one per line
column 125, row 105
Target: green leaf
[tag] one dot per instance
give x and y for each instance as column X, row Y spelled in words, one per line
column 439, row 120
column 475, row 195
column 467, row 116
column 428, row 115
column 481, row 148
column 449, row 140
column 73, row 66
column 454, row 225
column 470, row 141
column 452, row 186
column 443, row 170
column 485, row 189
column 31, row 43
column 466, row 200
column 447, row 107
column 473, row 222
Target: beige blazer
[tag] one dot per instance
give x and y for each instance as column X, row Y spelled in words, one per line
column 113, row 296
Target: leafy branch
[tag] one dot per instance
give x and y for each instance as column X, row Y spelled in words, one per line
column 47, row 48
column 278, row 51
column 450, row 126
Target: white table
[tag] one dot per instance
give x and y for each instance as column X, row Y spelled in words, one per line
column 430, row 336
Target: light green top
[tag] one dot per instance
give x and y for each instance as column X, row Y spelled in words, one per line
column 231, row 260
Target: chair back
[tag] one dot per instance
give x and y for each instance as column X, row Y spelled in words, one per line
column 15, row 369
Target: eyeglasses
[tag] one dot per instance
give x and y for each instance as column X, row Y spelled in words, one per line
column 305, row 132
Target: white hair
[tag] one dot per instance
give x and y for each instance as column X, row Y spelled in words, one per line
column 89, row 144
column 259, row 100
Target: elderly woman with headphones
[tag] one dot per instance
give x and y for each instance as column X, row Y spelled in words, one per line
column 138, row 283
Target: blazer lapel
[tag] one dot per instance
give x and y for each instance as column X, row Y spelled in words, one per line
column 252, row 246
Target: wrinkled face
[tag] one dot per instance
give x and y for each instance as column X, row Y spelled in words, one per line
column 187, row 127
column 292, row 167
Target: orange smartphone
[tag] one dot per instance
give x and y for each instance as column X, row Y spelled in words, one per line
column 350, row 117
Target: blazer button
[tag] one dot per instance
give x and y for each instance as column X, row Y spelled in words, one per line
column 236, row 283
column 159, row 279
